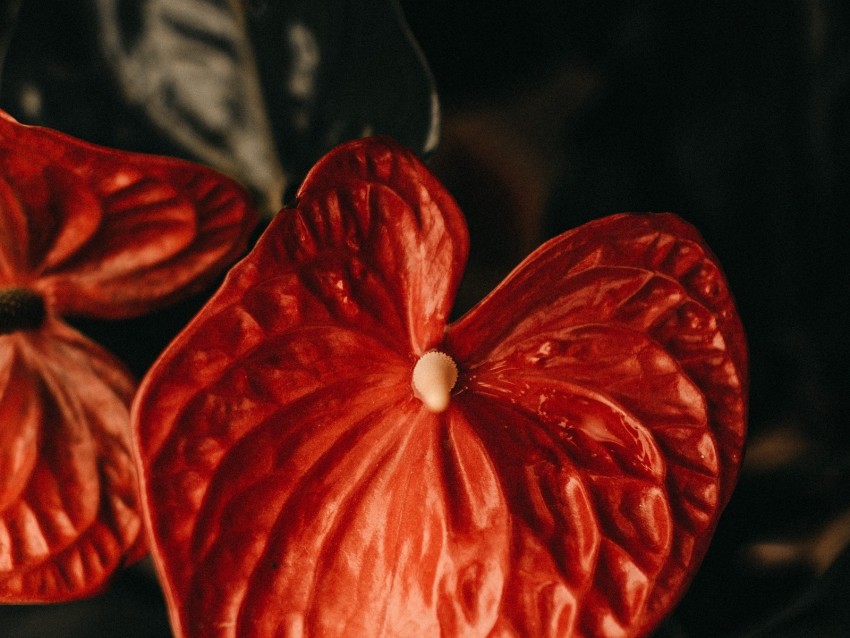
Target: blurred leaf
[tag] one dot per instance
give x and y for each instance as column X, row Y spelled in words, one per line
column 55, row 75
column 821, row 611
column 8, row 15
column 335, row 70
column 189, row 65
column 257, row 89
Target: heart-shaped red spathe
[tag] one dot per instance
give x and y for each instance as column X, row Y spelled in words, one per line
column 295, row 484
column 90, row 231
column 110, row 234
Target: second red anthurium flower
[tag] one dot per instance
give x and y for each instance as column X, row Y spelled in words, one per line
column 101, row 233
column 322, row 454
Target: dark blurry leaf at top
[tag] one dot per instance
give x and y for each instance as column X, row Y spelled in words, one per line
column 335, row 70
column 8, row 13
column 259, row 89
column 190, row 66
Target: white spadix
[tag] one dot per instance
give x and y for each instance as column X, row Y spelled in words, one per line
column 434, row 376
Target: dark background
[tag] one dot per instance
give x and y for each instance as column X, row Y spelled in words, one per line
column 735, row 115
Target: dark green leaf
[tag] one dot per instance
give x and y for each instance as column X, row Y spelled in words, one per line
column 258, row 90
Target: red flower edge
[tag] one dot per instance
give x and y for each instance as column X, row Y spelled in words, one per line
column 294, row 478
column 113, row 234
column 90, row 231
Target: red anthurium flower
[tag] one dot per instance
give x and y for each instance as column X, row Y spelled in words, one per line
column 90, row 231
column 322, row 455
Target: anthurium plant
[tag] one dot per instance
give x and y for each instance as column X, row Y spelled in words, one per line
column 324, row 452
column 86, row 231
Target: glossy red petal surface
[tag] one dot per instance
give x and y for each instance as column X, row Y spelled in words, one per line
column 622, row 377
column 109, row 233
column 283, row 418
column 69, row 511
column 380, row 229
column 294, row 486
column 13, row 235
